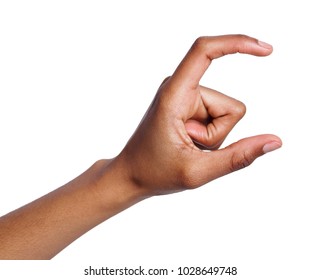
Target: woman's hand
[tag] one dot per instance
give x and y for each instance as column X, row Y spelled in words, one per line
column 166, row 153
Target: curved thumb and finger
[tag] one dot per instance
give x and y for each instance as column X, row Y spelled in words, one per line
column 236, row 156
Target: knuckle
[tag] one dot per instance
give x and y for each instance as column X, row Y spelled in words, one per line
column 165, row 80
column 242, row 42
column 242, row 37
column 240, row 161
column 239, row 109
column 200, row 43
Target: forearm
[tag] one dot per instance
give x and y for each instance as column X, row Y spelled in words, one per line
column 47, row 225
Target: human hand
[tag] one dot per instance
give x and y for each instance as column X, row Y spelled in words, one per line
column 166, row 153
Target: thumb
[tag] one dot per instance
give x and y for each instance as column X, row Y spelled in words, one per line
column 236, row 156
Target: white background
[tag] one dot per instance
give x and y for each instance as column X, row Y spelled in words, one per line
column 77, row 76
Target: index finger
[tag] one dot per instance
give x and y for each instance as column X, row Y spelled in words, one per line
column 205, row 49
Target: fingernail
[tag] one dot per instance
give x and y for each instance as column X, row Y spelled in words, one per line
column 272, row 146
column 264, row 45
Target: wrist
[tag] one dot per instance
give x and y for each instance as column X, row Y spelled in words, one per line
column 114, row 187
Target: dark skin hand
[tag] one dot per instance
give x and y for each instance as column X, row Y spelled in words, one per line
column 164, row 155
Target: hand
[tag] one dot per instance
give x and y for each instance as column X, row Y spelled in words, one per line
column 166, row 153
